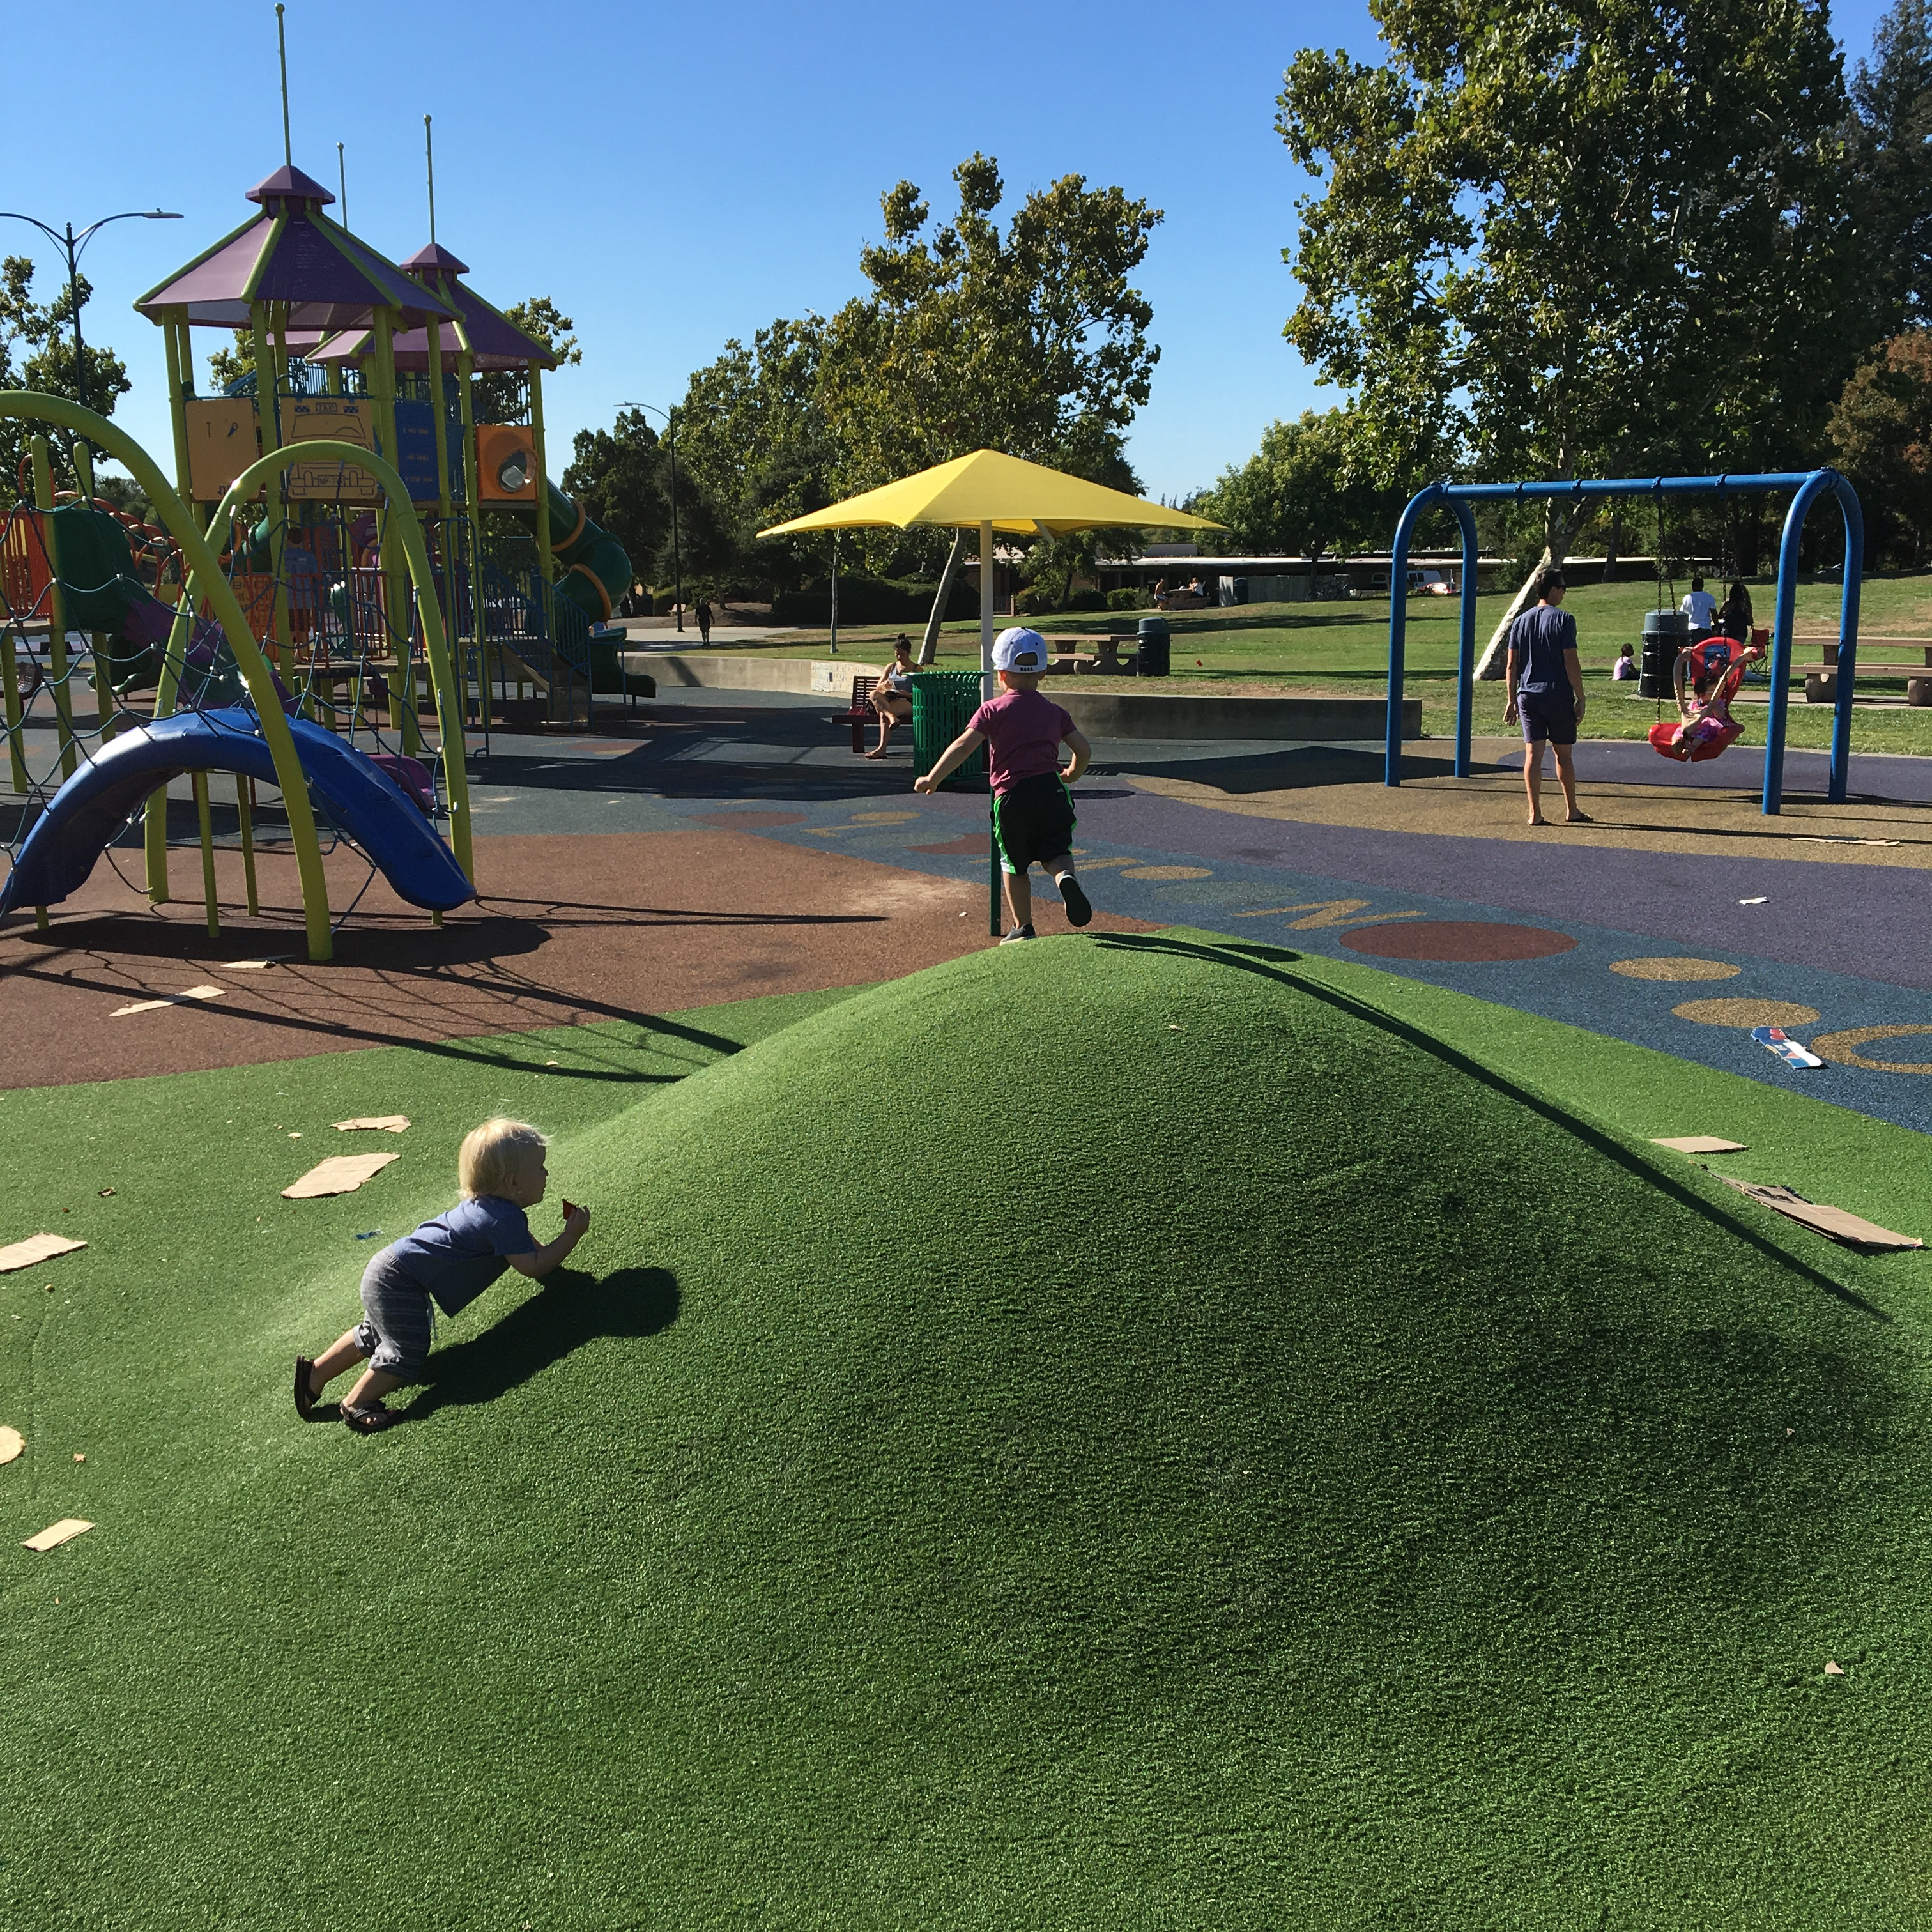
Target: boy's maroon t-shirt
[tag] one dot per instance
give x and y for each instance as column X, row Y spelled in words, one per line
column 1023, row 731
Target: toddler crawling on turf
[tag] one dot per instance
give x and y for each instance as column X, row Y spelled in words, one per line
column 449, row 1261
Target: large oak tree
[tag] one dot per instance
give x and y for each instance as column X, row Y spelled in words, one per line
column 1580, row 236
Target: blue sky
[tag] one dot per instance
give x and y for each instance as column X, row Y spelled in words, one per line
column 672, row 176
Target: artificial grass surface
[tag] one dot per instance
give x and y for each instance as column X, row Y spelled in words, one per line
column 1096, row 1434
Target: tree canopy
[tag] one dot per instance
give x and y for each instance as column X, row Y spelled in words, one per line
column 36, row 352
column 1305, row 490
column 1892, row 93
column 1882, row 431
column 1029, row 339
column 1593, row 235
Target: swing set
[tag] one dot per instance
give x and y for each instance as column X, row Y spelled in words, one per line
column 1807, row 487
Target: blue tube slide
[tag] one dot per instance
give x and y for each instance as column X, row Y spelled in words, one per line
column 90, row 809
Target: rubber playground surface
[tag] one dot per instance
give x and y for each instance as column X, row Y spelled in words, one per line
column 1352, row 1476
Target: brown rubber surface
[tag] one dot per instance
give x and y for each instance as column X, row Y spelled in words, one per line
column 573, row 928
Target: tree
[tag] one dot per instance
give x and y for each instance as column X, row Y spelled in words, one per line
column 753, row 449
column 1882, row 430
column 618, row 475
column 43, row 337
column 1030, row 340
column 1598, row 234
column 1893, row 95
column 1303, row 490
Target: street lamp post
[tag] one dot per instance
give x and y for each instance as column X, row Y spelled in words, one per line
column 71, row 245
column 676, row 558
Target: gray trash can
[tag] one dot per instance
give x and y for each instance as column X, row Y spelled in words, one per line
column 1155, row 646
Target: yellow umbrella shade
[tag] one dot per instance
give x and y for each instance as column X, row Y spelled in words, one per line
column 987, row 487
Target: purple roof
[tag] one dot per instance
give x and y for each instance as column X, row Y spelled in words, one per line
column 494, row 341
column 329, row 279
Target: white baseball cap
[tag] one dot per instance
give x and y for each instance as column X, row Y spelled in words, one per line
column 1019, row 649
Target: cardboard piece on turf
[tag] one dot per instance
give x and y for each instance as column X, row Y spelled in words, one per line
column 172, row 1000
column 34, row 1249
column 13, row 1444
column 1833, row 1223
column 388, row 1123
column 55, row 1534
column 342, row 1174
column 1700, row 1144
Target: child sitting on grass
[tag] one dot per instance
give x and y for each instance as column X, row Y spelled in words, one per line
column 450, row 1260
column 1033, row 810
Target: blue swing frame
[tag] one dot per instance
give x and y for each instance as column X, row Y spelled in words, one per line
column 1809, row 487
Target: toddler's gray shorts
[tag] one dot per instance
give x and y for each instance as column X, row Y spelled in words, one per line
column 397, row 1319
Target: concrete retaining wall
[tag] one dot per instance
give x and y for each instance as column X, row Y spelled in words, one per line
column 1118, row 708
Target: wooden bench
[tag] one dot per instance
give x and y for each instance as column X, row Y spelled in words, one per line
column 1821, row 687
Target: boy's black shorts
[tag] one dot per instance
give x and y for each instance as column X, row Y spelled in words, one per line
column 1033, row 820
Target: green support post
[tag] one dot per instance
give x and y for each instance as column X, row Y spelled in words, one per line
column 10, row 680
column 180, row 344
column 244, row 809
column 546, row 562
column 395, row 591
column 57, row 665
column 99, row 644
column 473, row 522
column 206, row 822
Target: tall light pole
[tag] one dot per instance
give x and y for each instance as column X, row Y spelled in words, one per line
column 676, row 559
column 72, row 245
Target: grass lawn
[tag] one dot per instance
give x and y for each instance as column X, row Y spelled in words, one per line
column 1343, row 647
column 1270, row 1444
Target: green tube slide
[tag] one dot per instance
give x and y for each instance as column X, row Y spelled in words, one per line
column 593, row 567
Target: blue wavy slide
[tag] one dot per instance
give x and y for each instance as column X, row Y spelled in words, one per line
column 89, row 811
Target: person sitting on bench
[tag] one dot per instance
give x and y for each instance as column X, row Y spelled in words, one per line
column 892, row 696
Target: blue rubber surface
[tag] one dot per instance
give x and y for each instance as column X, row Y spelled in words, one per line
column 91, row 808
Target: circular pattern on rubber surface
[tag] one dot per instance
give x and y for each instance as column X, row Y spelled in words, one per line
column 749, row 821
column 1675, row 969
column 1844, row 1047
column 1746, row 1012
column 1165, row 872
column 1458, row 941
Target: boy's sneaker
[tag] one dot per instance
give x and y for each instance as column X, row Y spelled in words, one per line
column 1018, row 933
column 1079, row 908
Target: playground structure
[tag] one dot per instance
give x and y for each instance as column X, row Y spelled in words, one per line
column 360, row 522
column 1808, row 486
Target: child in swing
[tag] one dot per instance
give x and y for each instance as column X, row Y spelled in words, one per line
column 1706, row 677
column 448, row 1262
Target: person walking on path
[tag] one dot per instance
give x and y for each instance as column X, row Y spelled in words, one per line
column 704, row 620
column 1545, row 681
column 1033, row 810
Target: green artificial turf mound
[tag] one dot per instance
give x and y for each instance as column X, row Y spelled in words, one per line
column 1110, row 1433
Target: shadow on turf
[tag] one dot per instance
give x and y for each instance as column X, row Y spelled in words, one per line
column 571, row 1308
column 1264, row 960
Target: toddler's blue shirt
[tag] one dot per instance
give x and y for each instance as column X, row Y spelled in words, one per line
column 458, row 1254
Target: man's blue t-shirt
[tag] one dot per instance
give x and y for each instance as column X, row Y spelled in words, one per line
column 458, row 1254
column 1539, row 638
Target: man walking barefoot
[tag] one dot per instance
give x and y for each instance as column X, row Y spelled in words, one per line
column 1545, row 680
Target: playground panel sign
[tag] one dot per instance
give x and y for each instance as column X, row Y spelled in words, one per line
column 342, row 419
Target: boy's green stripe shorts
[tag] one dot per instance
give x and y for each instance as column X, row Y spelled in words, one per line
column 1033, row 821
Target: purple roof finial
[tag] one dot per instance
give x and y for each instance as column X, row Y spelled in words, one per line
column 290, row 184
column 435, row 260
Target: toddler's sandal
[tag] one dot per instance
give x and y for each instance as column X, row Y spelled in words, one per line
column 306, row 1398
column 370, row 1420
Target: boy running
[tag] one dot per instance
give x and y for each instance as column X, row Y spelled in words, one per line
column 1033, row 810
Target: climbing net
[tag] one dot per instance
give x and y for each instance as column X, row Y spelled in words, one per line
column 92, row 620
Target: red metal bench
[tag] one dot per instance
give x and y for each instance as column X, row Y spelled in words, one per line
column 861, row 714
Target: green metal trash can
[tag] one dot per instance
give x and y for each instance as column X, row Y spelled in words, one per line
column 942, row 703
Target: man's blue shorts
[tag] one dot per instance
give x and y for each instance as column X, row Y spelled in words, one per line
column 1547, row 714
